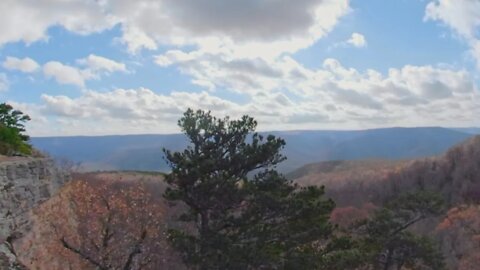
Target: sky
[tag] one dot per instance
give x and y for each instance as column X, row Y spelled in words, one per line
column 98, row 67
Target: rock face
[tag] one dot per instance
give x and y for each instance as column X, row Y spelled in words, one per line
column 24, row 183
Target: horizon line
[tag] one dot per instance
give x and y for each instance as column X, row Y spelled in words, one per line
column 286, row 130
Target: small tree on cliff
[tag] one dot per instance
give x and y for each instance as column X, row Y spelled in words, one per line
column 12, row 128
column 240, row 213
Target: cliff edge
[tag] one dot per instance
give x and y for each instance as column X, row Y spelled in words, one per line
column 25, row 182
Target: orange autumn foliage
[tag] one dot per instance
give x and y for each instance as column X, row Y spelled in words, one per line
column 101, row 221
column 459, row 233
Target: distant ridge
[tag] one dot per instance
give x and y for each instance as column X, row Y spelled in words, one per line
column 471, row 130
column 144, row 152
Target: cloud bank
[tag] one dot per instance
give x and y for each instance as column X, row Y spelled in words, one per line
column 243, row 48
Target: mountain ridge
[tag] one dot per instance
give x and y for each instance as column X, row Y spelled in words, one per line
column 144, row 152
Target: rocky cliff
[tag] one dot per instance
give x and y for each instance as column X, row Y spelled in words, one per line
column 24, row 183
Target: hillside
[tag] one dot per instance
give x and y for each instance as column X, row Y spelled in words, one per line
column 453, row 173
column 357, row 186
column 144, row 152
column 341, row 168
column 125, row 204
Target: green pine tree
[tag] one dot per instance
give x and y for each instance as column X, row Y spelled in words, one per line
column 239, row 213
column 389, row 243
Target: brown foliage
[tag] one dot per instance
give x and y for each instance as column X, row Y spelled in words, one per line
column 349, row 215
column 349, row 183
column 456, row 175
column 459, row 233
column 101, row 221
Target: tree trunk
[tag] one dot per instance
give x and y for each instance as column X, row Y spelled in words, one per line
column 204, row 237
column 388, row 260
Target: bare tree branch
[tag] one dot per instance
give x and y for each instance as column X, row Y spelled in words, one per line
column 81, row 254
column 135, row 251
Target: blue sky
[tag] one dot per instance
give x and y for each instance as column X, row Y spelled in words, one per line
column 121, row 67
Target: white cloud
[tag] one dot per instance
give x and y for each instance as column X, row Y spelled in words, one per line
column 252, row 19
column 400, row 90
column 131, row 104
column 245, row 47
column 475, row 51
column 462, row 16
column 91, row 67
column 141, row 110
column 29, row 20
column 136, row 39
column 371, row 90
column 237, row 25
column 225, row 70
column 357, row 40
column 94, row 67
column 283, row 25
column 4, row 83
column 64, row 74
column 26, row 64
column 431, row 83
column 99, row 63
column 294, row 98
